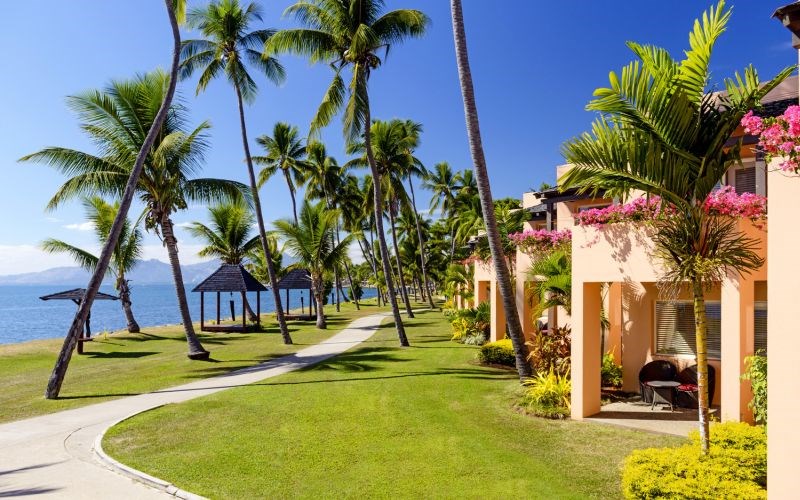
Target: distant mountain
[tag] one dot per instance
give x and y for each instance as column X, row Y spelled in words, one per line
column 146, row 272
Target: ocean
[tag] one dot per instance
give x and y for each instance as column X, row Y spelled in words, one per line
column 24, row 317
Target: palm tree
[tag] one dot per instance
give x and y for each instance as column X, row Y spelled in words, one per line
column 551, row 276
column 175, row 10
column 285, row 152
column 661, row 133
column 390, row 146
column 350, row 34
column 124, row 258
column 255, row 260
column 444, row 186
column 228, row 238
column 115, row 119
column 310, row 241
column 325, row 181
column 484, row 190
column 229, row 47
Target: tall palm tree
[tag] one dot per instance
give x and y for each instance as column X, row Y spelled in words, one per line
column 56, row 379
column 484, row 190
column 229, row 48
column 126, row 253
column 444, row 185
column 115, row 119
column 350, row 34
column 661, row 133
column 285, row 153
column 310, row 241
column 390, row 146
column 255, row 260
column 325, row 180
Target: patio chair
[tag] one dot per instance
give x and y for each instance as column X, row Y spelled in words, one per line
column 687, row 391
column 655, row 370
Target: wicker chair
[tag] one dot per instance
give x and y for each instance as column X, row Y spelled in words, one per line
column 687, row 391
column 654, row 370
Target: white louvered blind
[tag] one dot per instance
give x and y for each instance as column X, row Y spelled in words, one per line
column 675, row 331
column 760, row 326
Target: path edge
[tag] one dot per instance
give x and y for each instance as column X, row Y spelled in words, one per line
column 136, row 475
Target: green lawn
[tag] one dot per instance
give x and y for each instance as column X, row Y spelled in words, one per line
column 123, row 364
column 379, row 421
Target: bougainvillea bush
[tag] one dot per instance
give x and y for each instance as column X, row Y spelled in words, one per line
column 778, row 136
column 541, row 241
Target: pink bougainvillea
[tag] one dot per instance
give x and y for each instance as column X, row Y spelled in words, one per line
column 541, row 240
column 640, row 209
column 726, row 201
column 778, row 136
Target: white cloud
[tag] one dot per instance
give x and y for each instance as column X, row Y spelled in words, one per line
column 17, row 259
column 184, row 224
column 83, row 226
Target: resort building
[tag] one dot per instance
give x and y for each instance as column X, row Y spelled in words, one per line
column 615, row 271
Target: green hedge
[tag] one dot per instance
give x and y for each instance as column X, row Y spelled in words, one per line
column 735, row 467
column 498, row 353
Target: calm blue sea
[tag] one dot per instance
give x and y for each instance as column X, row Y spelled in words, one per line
column 24, row 317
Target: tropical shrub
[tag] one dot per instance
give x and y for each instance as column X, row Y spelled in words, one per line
column 610, row 371
column 778, row 136
column 471, row 326
column 497, row 353
column 476, row 339
column 757, row 375
column 550, row 350
column 735, row 467
column 541, row 240
column 548, row 395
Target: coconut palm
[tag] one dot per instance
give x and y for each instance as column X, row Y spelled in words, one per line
column 484, row 190
column 310, row 241
column 325, row 180
column 255, row 260
column 551, row 278
column 228, row 238
column 351, row 34
column 661, row 133
column 284, row 153
column 228, row 48
column 126, row 253
column 175, row 10
column 115, row 119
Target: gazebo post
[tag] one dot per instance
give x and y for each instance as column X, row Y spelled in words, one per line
column 258, row 309
column 218, row 298
column 288, row 310
column 244, row 312
column 202, row 311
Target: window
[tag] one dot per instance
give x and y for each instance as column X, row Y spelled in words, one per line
column 744, row 180
column 592, row 207
column 675, row 331
column 760, row 326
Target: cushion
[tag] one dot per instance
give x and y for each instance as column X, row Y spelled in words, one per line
column 688, row 387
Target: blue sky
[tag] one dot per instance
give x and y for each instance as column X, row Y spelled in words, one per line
column 535, row 65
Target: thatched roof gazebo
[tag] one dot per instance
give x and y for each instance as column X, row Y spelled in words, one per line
column 297, row 279
column 76, row 296
column 230, row 278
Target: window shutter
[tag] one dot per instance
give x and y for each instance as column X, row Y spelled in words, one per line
column 675, row 329
column 744, row 180
column 760, row 327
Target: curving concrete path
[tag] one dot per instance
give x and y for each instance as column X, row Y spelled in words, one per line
column 54, row 455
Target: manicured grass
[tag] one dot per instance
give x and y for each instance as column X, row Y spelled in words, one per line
column 378, row 421
column 123, row 364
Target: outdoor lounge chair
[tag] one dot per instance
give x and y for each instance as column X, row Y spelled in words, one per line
column 655, row 370
column 687, row 391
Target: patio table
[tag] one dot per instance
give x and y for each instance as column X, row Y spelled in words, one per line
column 670, row 387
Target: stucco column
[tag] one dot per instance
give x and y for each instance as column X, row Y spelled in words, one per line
column 737, row 332
column 614, row 314
column 783, row 323
column 585, row 349
column 498, row 314
column 481, row 292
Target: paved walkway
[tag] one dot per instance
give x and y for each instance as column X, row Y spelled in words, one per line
column 52, row 455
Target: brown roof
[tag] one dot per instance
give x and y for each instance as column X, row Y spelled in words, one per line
column 296, row 279
column 230, row 278
column 77, row 294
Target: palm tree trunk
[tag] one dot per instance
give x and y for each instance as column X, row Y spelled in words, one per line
column 291, row 193
column 400, row 277
column 378, row 208
column 350, row 279
column 262, row 232
column 250, row 313
column 318, row 296
column 196, row 350
column 425, row 282
column 76, row 328
column 125, row 298
column 701, row 338
column 485, row 193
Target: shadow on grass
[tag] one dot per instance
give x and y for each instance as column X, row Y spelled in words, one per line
column 120, row 354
